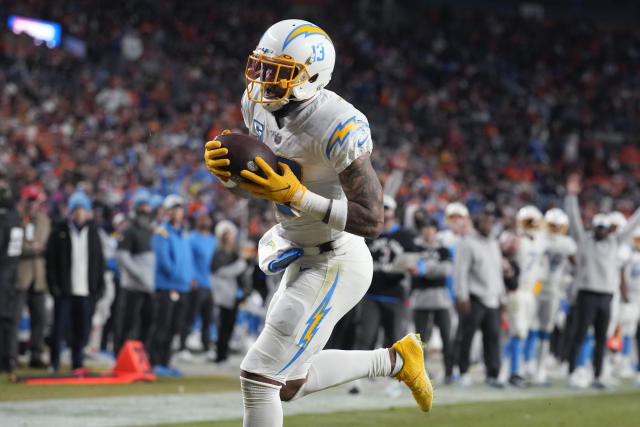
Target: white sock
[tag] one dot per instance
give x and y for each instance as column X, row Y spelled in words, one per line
column 262, row 406
column 331, row 368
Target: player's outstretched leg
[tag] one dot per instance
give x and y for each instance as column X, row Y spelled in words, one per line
column 330, row 368
column 414, row 372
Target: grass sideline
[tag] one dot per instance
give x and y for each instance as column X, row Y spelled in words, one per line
column 200, row 384
column 596, row 410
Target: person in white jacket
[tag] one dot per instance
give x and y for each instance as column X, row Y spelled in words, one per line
column 226, row 267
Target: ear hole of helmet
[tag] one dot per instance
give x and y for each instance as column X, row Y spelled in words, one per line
column 313, row 78
column 530, row 224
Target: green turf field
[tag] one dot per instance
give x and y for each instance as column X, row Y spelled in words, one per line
column 16, row 391
column 598, row 410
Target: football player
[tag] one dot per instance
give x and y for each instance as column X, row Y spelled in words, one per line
column 598, row 278
column 631, row 301
column 521, row 302
column 560, row 248
column 618, row 223
column 327, row 198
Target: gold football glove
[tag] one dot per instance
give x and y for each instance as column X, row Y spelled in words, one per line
column 537, row 287
column 277, row 188
column 214, row 157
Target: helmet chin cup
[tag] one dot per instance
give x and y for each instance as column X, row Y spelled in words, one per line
column 275, row 106
column 298, row 93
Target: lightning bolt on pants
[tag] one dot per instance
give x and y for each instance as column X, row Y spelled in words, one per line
column 315, row 292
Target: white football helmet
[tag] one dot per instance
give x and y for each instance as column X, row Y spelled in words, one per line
column 529, row 218
column 293, row 61
column 557, row 221
column 601, row 220
column 618, row 220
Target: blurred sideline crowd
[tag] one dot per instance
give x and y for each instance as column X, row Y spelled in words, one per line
column 545, row 294
column 150, row 279
column 104, row 150
column 534, row 297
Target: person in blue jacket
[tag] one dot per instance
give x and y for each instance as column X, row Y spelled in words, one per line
column 203, row 244
column 173, row 274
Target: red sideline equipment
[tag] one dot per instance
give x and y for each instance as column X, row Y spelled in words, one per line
column 132, row 366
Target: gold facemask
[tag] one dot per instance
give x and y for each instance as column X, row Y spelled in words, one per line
column 530, row 224
column 274, row 76
column 557, row 228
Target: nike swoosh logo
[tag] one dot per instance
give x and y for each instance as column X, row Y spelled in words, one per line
column 362, row 141
column 282, row 189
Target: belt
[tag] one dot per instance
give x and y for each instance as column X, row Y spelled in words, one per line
column 326, row 246
column 321, row 248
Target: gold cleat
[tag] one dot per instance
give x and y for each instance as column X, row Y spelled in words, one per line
column 414, row 373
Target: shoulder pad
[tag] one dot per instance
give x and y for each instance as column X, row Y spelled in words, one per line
column 162, row 231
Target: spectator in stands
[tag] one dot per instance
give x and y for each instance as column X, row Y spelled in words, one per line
column 136, row 262
column 173, row 274
column 226, row 268
column 598, row 277
column 463, row 118
column 11, row 235
column 31, row 279
column 203, row 245
column 479, row 291
column 75, row 275
column 157, row 211
column 430, row 299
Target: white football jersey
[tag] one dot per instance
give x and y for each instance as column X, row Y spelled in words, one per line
column 531, row 260
column 559, row 249
column 318, row 140
column 632, row 276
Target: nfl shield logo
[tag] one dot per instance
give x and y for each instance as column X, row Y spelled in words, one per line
column 277, row 138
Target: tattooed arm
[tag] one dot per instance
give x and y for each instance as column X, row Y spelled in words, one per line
column 364, row 194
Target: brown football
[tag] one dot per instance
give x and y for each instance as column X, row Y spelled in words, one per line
column 242, row 150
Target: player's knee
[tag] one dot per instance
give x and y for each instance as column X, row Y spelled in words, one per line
column 289, row 391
